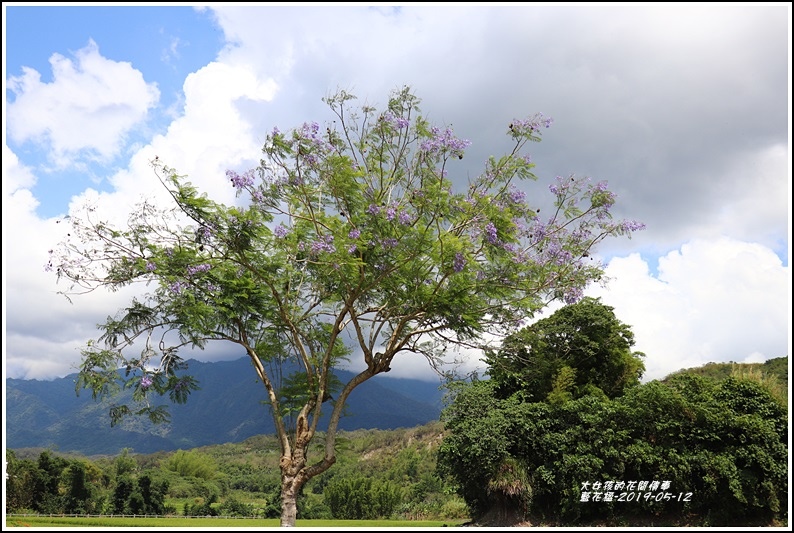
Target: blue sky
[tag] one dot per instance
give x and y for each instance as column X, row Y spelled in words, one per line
column 683, row 109
column 164, row 43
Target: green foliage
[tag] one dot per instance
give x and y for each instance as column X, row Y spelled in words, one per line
column 20, row 483
column 563, row 385
column 202, row 507
column 478, row 442
column 78, row 491
column 125, row 464
column 234, row 507
column 772, row 375
column 580, row 349
column 54, row 484
column 153, row 493
column 362, row 498
column 403, row 458
column 767, row 380
column 723, row 442
column 122, row 493
column 191, row 463
column 778, row 367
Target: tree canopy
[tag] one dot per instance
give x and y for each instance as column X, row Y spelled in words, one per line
column 351, row 238
column 580, row 349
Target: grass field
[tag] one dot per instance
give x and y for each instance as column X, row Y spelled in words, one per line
column 214, row 523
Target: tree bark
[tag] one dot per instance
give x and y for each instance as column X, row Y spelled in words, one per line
column 289, row 504
column 292, row 479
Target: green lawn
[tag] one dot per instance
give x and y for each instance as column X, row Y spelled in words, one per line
column 180, row 522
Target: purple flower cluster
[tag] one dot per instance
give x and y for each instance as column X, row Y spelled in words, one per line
column 309, row 141
column 177, row 287
column 392, row 212
column 146, row 382
column 561, row 187
column 309, row 130
column 150, row 266
column 445, row 141
column 400, row 122
column 355, row 233
column 389, row 243
column 532, row 124
column 632, row 225
column 324, row 244
column 555, row 253
column 573, row 295
column 204, row 267
column 241, row 181
column 280, row 231
column 516, row 196
column 491, row 233
column 459, row 262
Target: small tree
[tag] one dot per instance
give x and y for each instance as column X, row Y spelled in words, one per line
column 352, row 234
column 78, row 491
column 581, row 349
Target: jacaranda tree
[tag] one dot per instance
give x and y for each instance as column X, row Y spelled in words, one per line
column 350, row 238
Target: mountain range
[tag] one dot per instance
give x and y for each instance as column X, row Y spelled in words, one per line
column 229, row 407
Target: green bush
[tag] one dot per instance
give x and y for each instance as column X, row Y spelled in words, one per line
column 362, row 498
column 723, row 442
column 192, row 463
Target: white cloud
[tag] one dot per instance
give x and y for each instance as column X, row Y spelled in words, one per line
column 16, row 176
column 712, row 301
column 209, row 137
column 87, row 110
column 45, row 331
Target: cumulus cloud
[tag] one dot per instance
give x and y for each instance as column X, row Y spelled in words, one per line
column 712, row 301
column 45, row 331
column 210, row 136
column 16, row 176
column 87, row 109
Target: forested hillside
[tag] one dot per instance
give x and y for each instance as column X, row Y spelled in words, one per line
column 379, row 473
column 228, row 408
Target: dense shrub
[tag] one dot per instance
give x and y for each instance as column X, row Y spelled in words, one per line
column 720, row 446
column 362, row 498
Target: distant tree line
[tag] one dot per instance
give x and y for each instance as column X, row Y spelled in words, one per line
column 396, row 480
column 57, row 485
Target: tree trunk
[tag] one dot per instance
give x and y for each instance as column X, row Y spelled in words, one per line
column 293, row 477
column 293, row 464
column 289, row 504
column 294, row 473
